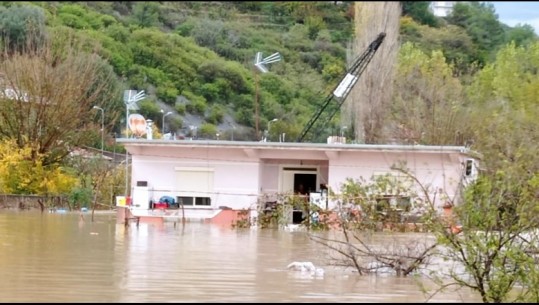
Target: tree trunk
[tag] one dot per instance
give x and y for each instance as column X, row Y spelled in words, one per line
column 41, row 204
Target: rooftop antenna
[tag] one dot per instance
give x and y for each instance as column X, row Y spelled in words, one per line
column 260, row 65
column 131, row 98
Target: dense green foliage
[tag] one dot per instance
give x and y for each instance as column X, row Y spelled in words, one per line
column 197, row 57
column 196, row 60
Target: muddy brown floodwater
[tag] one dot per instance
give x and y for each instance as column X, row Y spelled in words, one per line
column 61, row 258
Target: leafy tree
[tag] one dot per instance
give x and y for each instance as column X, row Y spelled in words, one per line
column 174, row 124
column 298, row 38
column 504, row 96
column 497, row 242
column 148, row 109
column 455, row 43
column 409, row 29
column 146, row 13
column 481, row 23
column 21, row 26
column 197, row 106
column 80, row 197
column 207, row 130
column 420, row 12
column 122, row 7
column 521, row 34
column 55, row 83
column 428, row 105
column 24, row 173
column 385, row 202
column 79, row 17
column 461, row 15
column 93, row 172
column 216, row 115
column 315, row 24
column 167, row 93
column 118, row 32
column 112, row 50
column 180, row 108
column 185, row 28
column 208, row 33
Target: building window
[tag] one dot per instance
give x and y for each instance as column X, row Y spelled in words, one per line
column 400, row 203
column 194, row 180
column 142, row 183
column 198, row 201
column 182, row 200
column 194, row 185
column 404, row 203
column 469, row 167
column 206, row 201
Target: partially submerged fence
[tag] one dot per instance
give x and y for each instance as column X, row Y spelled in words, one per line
column 29, row 202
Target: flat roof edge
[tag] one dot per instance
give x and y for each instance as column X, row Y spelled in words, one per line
column 252, row 144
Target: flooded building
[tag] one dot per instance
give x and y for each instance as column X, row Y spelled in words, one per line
column 209, row 176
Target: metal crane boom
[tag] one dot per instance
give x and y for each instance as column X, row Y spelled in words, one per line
column 342, row 90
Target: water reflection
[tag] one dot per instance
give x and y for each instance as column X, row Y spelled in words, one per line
column 61, row 258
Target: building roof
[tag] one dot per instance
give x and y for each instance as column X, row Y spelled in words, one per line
column 131, row 142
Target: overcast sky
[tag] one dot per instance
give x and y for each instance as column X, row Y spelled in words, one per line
column 512, row 13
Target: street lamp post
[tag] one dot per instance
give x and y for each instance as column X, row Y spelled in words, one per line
column 164, row 115
column 102, row 125
column 269, row 125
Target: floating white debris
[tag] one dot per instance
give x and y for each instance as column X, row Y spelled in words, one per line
column 294, row 227
column 306, row 267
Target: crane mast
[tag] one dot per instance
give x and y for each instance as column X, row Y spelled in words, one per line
column 342, row 90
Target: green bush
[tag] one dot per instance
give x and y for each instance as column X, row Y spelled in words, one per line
column 19, row 23
column 207, row 130
column 197, row 106
column 149, row 109
column 180, row 109
column 216, row 115
column 78, row 17
column 210, row 91
column 185, row 28
column 80, row 197
column 146, row 14
column 167, row 94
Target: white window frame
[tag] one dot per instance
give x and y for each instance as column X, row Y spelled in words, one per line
column 208, row 192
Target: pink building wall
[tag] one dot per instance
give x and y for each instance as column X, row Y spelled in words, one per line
column 244, row 170
column 435, row 171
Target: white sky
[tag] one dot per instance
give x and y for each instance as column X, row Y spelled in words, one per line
column 512, row 13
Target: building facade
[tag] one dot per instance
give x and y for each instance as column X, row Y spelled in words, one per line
column 209, row 176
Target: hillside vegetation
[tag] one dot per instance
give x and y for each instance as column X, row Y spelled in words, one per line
column 196, row 58
column 458, row 80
